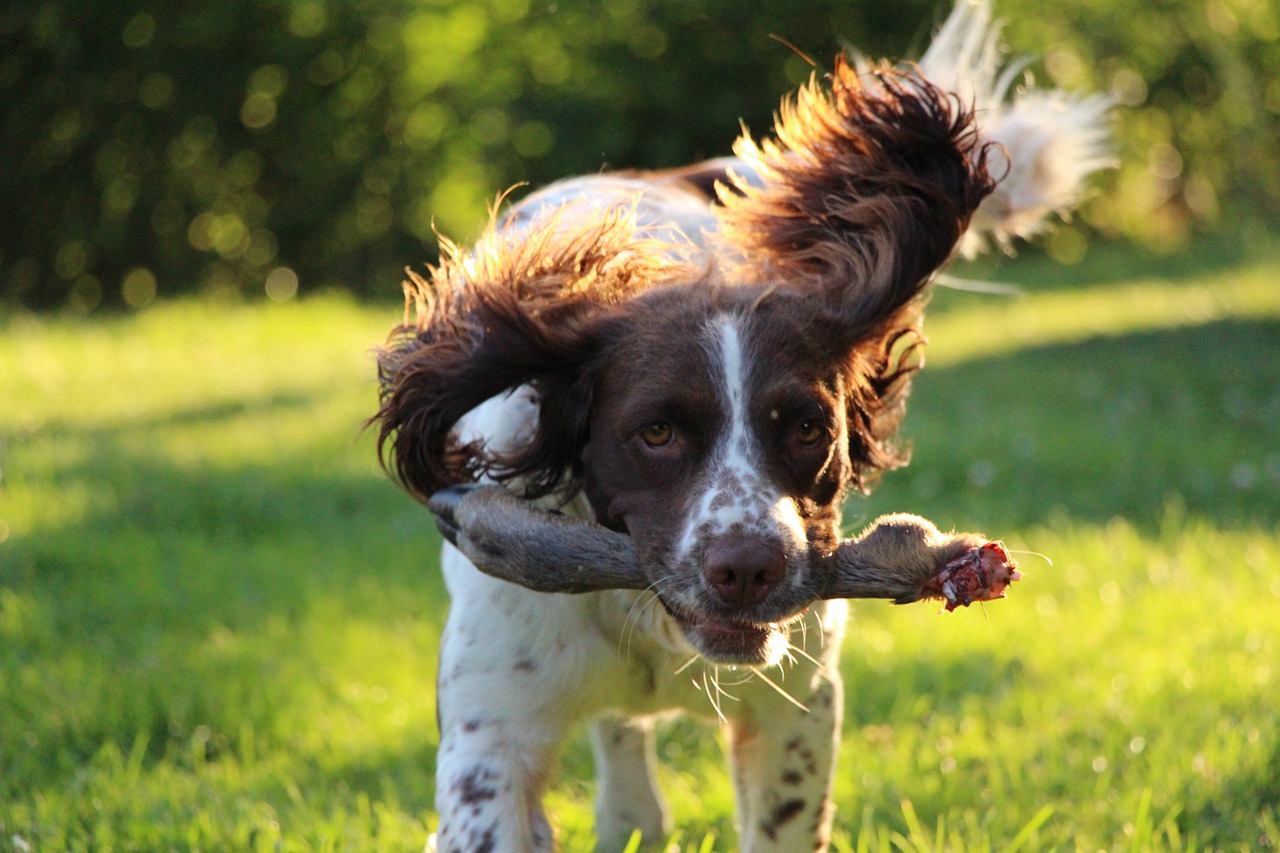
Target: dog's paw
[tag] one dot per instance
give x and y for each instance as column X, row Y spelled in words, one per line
column 540, row 549
column 905, row 558
column 444, row 506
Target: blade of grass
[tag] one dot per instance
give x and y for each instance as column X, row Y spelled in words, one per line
column 1028, row 829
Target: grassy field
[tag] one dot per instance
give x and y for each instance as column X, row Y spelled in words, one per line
column 218, row 619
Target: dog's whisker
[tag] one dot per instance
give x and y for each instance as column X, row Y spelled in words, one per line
column 633, row 621
column 624, row 636
column 791, row 647
column 803, row 648
column 786, row 658
column 628, row 632
column 643, row 600
column 740, row 678
column 719, row 685
column 1044, row 557
column 690, row 662
column 784, row 694
column 712, row 697
column 822, row 628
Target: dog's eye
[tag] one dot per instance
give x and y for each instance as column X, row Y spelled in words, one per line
column 810, row 433
column 658, row 434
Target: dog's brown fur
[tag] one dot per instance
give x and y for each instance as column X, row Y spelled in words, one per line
column 866, row 189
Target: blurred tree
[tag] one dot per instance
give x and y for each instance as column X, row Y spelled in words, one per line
column 260, row 146
column 1197, row 83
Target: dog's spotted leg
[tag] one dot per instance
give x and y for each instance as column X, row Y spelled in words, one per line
column 481, row 811
column 627, row 795
column 782, row 759
column 489, row 790
column 499, row 730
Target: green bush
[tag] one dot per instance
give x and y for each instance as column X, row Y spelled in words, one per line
column 157, row 150
column 269, row 145
column 1199, row 107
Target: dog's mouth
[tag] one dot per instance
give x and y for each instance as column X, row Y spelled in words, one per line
column 738, row 642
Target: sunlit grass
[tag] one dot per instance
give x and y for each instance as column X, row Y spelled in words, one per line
column 218, row 620
column 1039, row 319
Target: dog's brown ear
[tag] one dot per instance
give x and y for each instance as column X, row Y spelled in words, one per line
column 435, row 370
column 863, row 192
column 521, row 308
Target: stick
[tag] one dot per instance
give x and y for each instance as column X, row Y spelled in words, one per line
column 544, row 551
column 903, row 558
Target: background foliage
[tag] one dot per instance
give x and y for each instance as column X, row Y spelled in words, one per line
column 256, row 145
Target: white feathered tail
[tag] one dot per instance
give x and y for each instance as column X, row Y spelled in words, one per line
column 1050, row 140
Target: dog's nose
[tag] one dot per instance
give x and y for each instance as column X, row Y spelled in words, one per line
column 743, row 569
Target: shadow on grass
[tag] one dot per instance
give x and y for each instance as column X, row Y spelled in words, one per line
column 209, row 414
column 1243, row 802
column 1185, row 418
column 208, row 607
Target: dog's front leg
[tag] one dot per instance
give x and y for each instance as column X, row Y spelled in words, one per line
column 489, row 795
column 627, row 795
column 494, row 761
column 502, row 714
column 782, row 758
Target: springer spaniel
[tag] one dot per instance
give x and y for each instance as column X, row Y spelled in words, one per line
column 693, row 368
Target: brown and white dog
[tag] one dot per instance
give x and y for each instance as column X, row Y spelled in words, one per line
column 705, row 360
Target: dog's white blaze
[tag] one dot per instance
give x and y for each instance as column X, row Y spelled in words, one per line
column 737, row 490
column 739, row 460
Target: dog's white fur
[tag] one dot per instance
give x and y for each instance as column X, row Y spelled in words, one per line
column 618, row 659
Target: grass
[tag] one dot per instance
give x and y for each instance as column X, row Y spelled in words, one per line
column 218, row 620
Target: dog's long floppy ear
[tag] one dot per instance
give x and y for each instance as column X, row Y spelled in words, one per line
column 521, row 308
column 863, row 192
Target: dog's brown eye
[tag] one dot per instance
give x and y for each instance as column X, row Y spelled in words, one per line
column 809, row 433
column 658, row 434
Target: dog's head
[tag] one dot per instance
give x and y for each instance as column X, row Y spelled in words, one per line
column 717, row 408
column 725, row 427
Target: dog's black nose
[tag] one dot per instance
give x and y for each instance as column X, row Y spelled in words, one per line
column 744, row 569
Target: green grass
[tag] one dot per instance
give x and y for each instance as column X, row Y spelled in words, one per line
column 218, row 619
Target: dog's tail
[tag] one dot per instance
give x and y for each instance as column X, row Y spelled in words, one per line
column 1050, row 141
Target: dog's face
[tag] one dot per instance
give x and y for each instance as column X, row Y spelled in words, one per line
column 718, row 441
column 718, row 422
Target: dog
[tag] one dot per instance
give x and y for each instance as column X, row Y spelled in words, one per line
column 707, row 360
